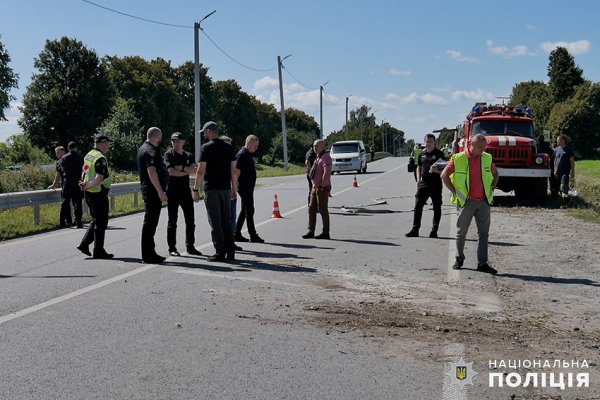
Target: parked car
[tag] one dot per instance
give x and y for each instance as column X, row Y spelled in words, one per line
column 348, row 155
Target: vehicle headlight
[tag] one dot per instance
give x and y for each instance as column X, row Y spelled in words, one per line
column 539, row 160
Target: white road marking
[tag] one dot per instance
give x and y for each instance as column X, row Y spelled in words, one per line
column 145, row 268
column 76, row 293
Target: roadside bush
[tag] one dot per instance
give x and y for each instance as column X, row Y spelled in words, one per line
column 28, row 178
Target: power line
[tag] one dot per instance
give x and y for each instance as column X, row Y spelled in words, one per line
column 296, row 79
column 179, row 26
column 233, row 59
column 136, row 17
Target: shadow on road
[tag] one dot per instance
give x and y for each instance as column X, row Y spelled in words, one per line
column 551, row 279
column 369, row 242
column 47, row 276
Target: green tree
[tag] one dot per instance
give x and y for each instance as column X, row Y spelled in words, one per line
column 124, row 128
column 184, row 85
column 579, row 118
column 234, row 111
column 538, row 96
column 69, row 97
column 298, row 144
column 8, row 81
column 564, row 75
column 18, row 150
column 266, row 124
column 150, row 88
column 301, row 122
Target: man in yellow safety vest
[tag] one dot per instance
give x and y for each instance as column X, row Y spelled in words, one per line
column 96, row 185
column 471, row 176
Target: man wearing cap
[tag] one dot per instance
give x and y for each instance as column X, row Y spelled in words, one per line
column 72, row 164
column 218, row 172
column 96, row 185
column 180, row 164
column 153, row 180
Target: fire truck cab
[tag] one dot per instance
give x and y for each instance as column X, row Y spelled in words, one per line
column 511, row 142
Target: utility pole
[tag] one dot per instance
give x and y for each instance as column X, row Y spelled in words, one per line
column 197, row 128
column 321, row 108
column 283, row 137
column 383, row 135
column 346, row 126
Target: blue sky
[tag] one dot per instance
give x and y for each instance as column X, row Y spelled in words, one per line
column 418, row 65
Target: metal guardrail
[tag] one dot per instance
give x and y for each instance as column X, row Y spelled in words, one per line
column 37, row 198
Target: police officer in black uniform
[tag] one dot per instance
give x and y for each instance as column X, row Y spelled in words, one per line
column 96, row 185
column 72, row 165
column 65, row 215
column 180, row 164
column 429, row 185
column 153, row 180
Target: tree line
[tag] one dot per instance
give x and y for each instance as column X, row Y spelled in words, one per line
column 567, row 104
column 75, row 93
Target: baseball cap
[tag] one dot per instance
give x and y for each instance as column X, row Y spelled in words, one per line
column 177, row 136
column 210, row 125
column 101, row 138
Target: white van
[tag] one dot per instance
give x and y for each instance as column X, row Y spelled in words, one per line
column 348, row 155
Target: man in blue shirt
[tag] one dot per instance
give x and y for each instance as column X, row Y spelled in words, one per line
column 564, row 164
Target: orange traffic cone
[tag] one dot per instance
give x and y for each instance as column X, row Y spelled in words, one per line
column 354, row 182
column 276, row 213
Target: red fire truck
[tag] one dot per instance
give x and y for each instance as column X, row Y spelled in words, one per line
column 511, row 142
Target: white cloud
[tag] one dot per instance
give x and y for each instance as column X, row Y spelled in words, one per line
column 10, row 126
column 432, row 99
column 265, row 84
column 457, row 56
column 414, row 98
column 505, row 52
column 473, row 95
column 532, row 28
column 399, row 72
column 575, row 48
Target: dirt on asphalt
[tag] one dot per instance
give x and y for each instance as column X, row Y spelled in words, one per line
column 546, row 306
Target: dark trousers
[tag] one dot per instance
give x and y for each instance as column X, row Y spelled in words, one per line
column 180, row 198
column 423, row 193
column 71, row 194
column 319, row 200
column 98, row 205
column 246, row 212
column 309, row 187
column 218, row 208
column 152, row 206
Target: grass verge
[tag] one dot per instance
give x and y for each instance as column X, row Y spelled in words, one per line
column 19, row 222
column 587, row 184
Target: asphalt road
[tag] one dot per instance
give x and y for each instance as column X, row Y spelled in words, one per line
column 77, row 328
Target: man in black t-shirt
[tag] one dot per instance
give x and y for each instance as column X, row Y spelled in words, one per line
column 429, row 185
column 65, row 215
column 180, row 164
column 218, row 172
column 72, row 165
column 245, row 186
column 309, row 160
column 153, row 180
